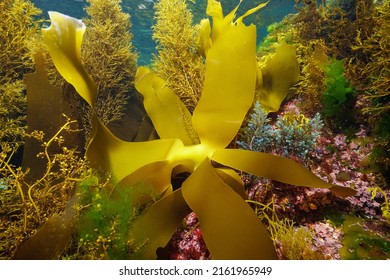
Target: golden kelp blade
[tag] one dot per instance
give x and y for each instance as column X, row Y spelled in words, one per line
column 229, row 86
column 204, row 40
column 251, row 11
column 63, row 39
column 277, row 168
column 279, row 74
column 170, row 117
column 229, row 225
column 156, row 174
column 155, row 227
column 220, row 23
column 232, row 179
column 123, row 158
column 42, row 115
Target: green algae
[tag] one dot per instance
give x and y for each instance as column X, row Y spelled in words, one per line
column 358, row 243
column 104, row 224
column 362, row 244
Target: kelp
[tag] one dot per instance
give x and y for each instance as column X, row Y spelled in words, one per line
column 39, row 201
column 227, row 95
column 63, row 40
column 50, row 240
column 272, row 90
column 41, row 95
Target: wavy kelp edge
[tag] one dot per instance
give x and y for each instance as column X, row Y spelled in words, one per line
column 63, row 39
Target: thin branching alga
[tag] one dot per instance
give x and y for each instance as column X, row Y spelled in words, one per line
column 26, row 206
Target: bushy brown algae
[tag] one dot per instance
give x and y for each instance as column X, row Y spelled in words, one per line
column 177, row 60
column 16, row 60
column 112, row 61
column 27, row 206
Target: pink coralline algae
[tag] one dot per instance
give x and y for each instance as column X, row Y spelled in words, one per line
column 327, row 240
column 188, row 243
column 337, row 160
column 342, row 162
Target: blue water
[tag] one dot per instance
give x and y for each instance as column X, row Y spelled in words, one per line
column 141, row 12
